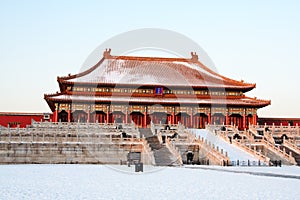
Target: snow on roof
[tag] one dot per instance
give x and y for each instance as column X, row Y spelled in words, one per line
column 198, row 68
column 154, row 71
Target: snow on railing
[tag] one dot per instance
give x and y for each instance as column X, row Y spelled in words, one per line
column 291, row 146
column 49, row 131
column 148, row 155
column 152, row 127
column 267, row 140
column 238, row 143
column 174, row 150
column 276, row 149
column 159, row 137
column 268, row 136
column 213, row 150
column 42, row 137
column 254, row 131
column 253, row 152
column 278, row 130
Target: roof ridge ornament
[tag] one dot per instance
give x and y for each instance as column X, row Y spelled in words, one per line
column 106, row 53
column 195, row 57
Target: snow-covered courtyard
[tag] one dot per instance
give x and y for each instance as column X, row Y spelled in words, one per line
column 121, row 182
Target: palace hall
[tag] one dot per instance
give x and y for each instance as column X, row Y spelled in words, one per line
column 125, row 89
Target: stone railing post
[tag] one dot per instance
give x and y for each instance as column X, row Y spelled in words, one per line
column 18, row 133
column 31, row 133
column 9, row 133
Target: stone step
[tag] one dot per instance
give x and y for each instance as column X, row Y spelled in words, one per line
column 295, row 155
column 146, row 132
column 154, row 143
column 162, row 155
column 297, row 159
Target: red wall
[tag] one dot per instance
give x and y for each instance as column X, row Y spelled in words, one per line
column 22, row 119
column 278, row 121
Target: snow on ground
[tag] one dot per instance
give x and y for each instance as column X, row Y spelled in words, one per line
column 115, row 182
column 234, row 153
column 284, row 170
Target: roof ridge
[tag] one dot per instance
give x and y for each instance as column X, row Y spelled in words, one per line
column 146, row 58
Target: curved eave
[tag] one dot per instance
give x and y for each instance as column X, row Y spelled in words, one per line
column 50, row 101
column 50, row 104
column 243, row 88
column 81, row 73
column 243, row 102
column 239, row 84
column 131, row 102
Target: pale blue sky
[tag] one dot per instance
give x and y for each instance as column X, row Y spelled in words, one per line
column 257, row 41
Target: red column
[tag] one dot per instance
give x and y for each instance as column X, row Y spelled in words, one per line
column 173, row 118
column 244, row 121
column 145, row 120
column 254, row 119
column 55, row 116
column 107, row 115
column 126, row 117
column 191, row 124
column 199, row 122
column 69, row 115
column 227, row 119
column 209, row 118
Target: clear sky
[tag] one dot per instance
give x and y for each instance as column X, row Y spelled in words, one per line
column 257, row 41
